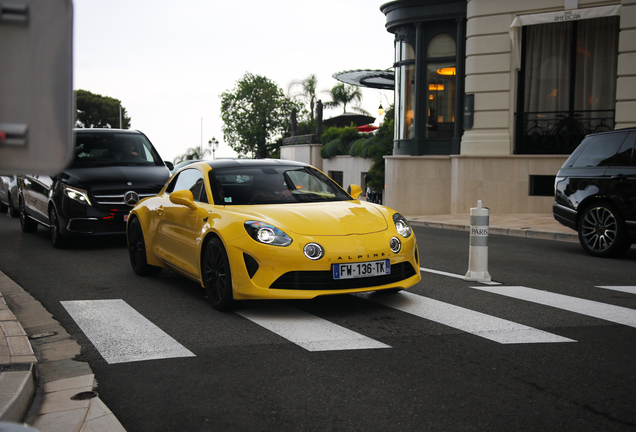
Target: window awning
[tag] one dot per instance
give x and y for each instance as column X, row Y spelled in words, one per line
column 555, row 17
column 379, row 79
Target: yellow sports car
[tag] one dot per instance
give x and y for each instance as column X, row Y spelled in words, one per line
column 270, row 229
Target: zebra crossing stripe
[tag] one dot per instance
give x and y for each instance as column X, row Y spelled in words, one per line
column 476, row 323
column 308, row 331
column 604, row 311
column 627, row 289
column 121, row 334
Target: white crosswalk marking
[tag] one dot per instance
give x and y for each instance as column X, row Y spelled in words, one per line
column 616, row 314
column 627, row 289
column 121, row 334
column 479, row 324
column 308, row 331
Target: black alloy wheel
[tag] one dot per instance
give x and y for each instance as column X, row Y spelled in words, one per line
column 27, row 224
column 57, row 238
column 217, row 279
column 137, row 250
column 13, row 211
column 602, row 231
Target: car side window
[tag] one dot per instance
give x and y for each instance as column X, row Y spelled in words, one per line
column 192, row 180
column 601, row 151
column 624, row 156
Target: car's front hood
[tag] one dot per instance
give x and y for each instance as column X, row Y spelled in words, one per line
column 117, row 177
column 319, row 219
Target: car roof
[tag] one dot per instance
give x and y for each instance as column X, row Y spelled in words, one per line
column 106, row 130
column 629, row 129
column 246, row 163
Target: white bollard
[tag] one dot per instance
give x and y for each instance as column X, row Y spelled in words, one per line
column 478, row 258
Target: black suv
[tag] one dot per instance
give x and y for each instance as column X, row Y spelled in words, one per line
column 595, row 192
column 112, row 170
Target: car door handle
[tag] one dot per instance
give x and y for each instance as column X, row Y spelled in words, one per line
column 160, row 211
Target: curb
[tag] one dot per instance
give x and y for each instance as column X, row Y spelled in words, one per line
column 514, row 232
column 56, row 393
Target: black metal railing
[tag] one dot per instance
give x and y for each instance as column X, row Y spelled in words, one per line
column 559, row 132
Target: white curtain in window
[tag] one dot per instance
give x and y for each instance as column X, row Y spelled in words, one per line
column 596, row 64
column 548, row 48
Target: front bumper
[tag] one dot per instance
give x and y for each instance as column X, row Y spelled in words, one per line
column 268, row 272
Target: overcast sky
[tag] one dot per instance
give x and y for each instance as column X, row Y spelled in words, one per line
column 169, row 62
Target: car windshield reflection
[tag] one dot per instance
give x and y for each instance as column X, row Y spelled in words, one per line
column 273, row 185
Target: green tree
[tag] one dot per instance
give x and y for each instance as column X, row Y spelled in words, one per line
column 97, row 111
column 255, row 114
column 307, row 92
column 343, row 95
column 382, row 145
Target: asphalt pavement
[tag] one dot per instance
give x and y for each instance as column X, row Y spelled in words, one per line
column 43, row 386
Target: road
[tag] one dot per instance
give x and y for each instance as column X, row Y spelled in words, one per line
column 530, row 354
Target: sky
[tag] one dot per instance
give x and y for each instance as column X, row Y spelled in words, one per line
column 169, row 62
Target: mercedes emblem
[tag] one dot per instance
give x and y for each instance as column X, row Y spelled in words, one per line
column 131, row 198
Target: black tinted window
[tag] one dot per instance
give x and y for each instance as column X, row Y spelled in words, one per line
column 624, row 156
column 94, row 149
column 601, row 150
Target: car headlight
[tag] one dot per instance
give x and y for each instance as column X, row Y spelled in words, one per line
column 78, row 195
column 267, row 234
column 402, row 225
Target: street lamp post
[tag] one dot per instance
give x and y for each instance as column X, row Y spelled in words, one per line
column 215, row 145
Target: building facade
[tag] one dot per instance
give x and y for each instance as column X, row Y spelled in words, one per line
column 492, row 96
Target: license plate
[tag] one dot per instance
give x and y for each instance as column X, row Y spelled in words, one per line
column 362, row 269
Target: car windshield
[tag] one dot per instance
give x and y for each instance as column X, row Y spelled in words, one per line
column 113, row 149
column 273, row 185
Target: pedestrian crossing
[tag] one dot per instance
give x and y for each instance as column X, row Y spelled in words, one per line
column 121, row 334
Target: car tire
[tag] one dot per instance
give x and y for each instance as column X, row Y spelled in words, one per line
column 217, row 278
column 13, row 211
column 57, row 238
column 137, row 250
column 602, row 231
column 27, row 224
column 3, row 207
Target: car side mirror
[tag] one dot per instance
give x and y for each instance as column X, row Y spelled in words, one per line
column 184, row 198
column 355, row 191
column 169, row 165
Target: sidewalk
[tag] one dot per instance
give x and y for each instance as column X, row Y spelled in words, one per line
column 540, row 226
column 42, row 384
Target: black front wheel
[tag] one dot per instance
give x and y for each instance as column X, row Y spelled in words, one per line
column 57, row 238
column 137, row 250
column 217, row 278
column 13, row 211
column 27, row 224
column 602, row 231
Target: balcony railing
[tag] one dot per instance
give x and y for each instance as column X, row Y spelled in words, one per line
column 559, row 132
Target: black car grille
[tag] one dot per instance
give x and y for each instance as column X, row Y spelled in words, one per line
column 323, row 280
column 116, row 201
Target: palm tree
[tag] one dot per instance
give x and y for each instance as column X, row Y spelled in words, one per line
column 342, row 95
column 308, row 91
column 193, row 153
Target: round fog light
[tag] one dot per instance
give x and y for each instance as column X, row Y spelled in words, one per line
column 395, row 244
column 313, row 251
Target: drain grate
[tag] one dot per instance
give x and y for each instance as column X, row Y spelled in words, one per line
column 15, row 367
